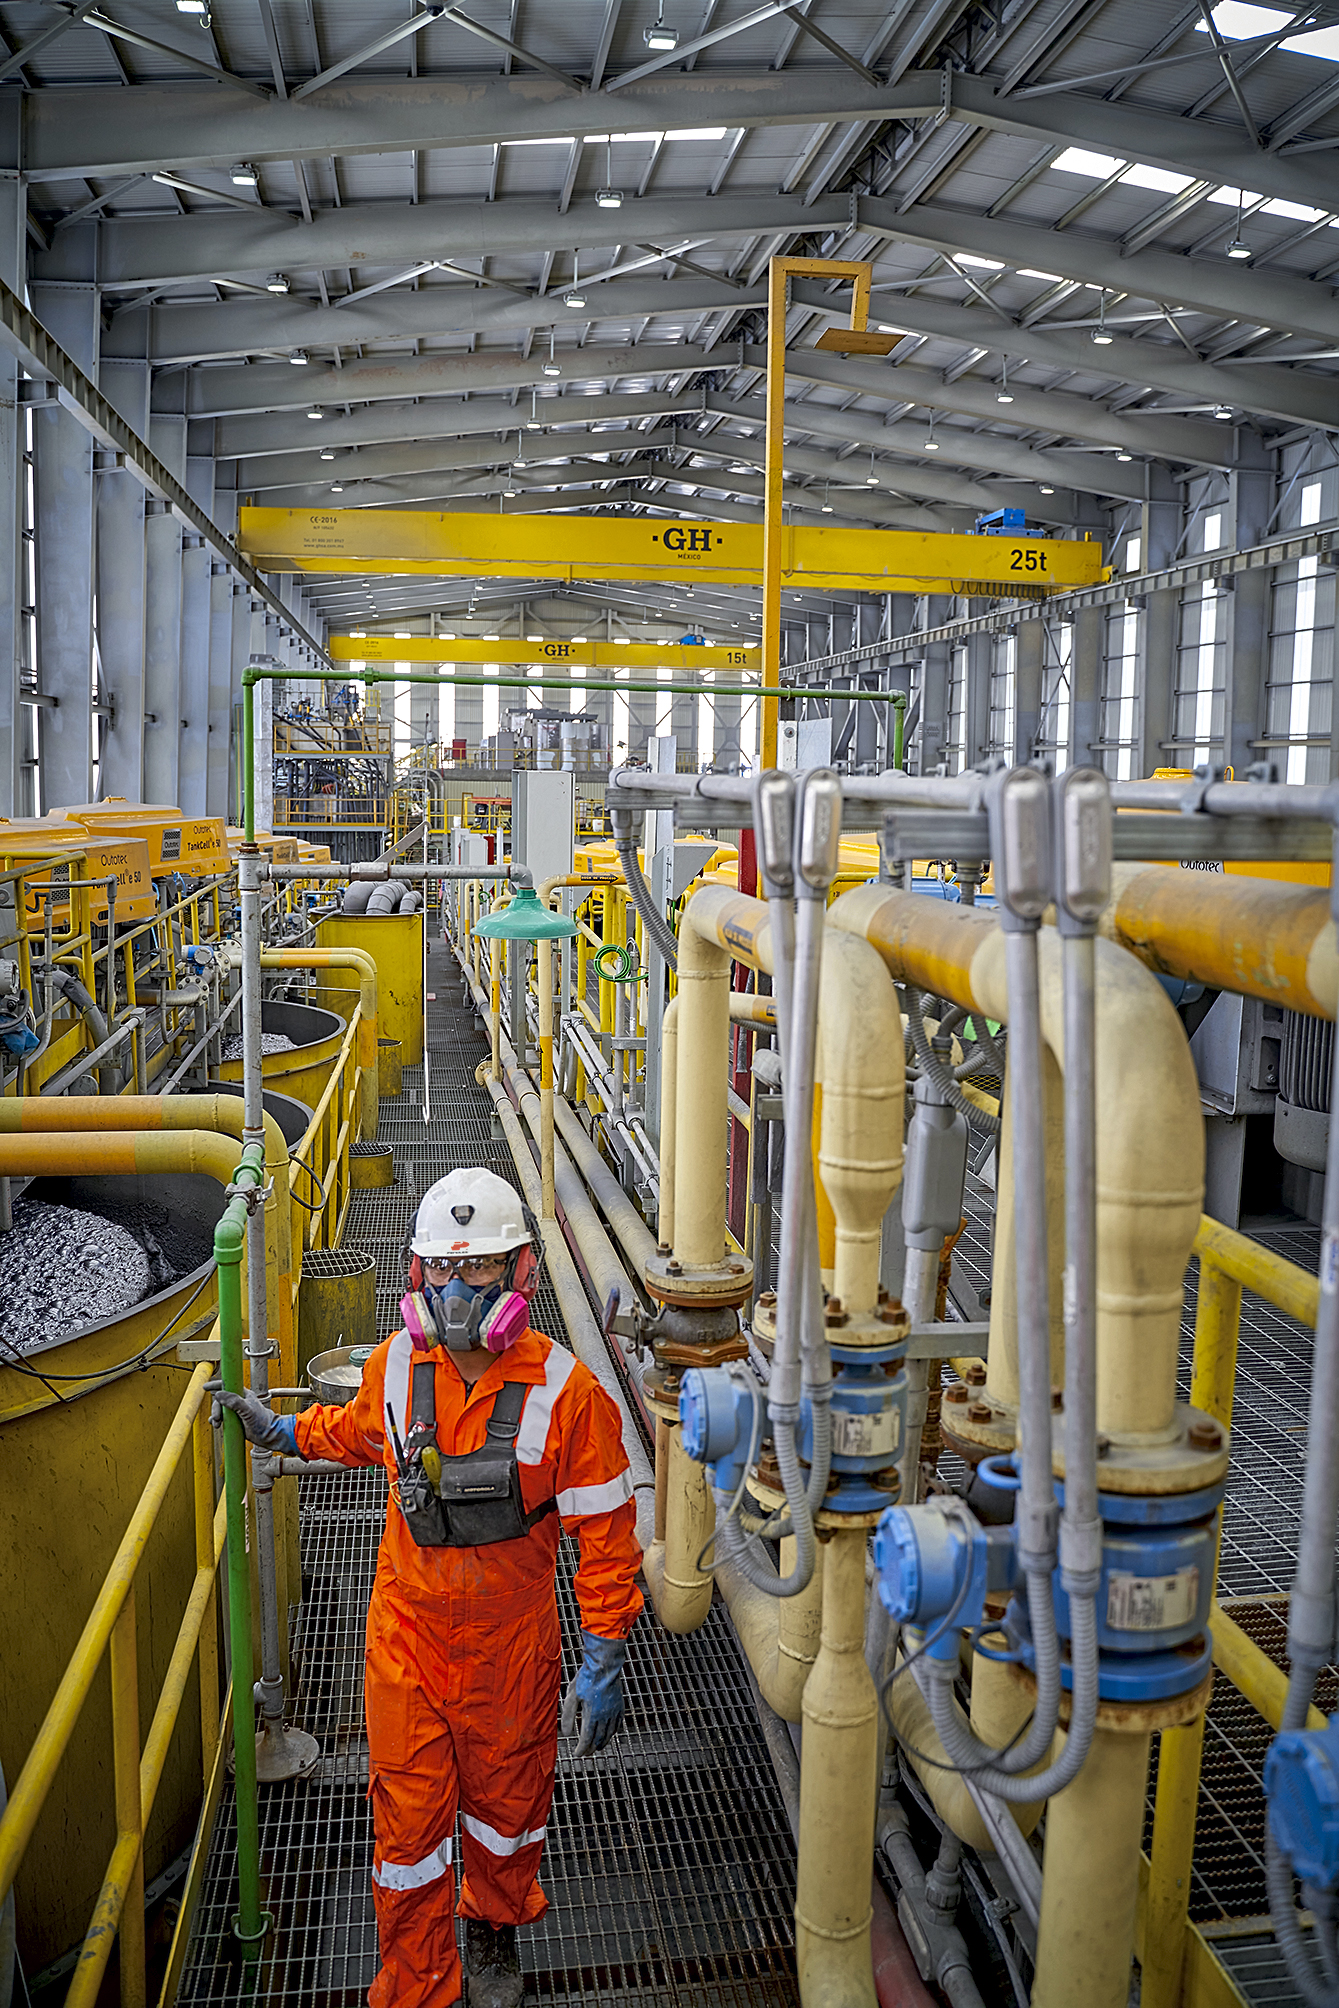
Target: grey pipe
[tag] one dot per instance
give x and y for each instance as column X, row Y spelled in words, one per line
column 658, row 930
column 73, row 991
column 384, row 900
column 356, row 897
column 635, row 1237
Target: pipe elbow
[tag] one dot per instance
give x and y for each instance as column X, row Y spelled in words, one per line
column 861, row 1065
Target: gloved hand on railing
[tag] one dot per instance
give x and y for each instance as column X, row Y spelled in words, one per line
column 598, row 1690
column 268, row 1431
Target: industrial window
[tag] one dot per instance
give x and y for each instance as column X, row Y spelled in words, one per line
column 446, row 714
column 1053, row 730
column 1120, row 693
column 955, row 751
column 1003, row 657
column 1301, row 660
column 621, row 730
column 706, row 726
column 492, row 697
column 1201, row 666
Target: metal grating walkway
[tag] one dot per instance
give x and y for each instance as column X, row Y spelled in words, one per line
column 669, row 1865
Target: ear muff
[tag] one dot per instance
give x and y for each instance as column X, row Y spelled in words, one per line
column 525, row 1271
column 416, row 1272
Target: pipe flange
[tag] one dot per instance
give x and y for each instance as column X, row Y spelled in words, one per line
column 975, row 1426
column 770, row 1498
column 1131, row 1718
column 726, row 1283
column 660, row 1391
column 1195, row 1457
column 764, row 1323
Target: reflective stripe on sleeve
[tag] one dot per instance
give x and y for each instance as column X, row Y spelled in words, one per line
column 414, row 1875
column 586, row 1499
column 538, row 1411
column 496, row 1843
column 399, row 1358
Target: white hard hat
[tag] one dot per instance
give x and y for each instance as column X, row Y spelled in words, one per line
column 469, row 1212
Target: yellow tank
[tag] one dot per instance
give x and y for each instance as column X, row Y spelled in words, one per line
column 71, row 1472
column 96, row 858
column 279, row 850
column 194, row 845
column 395, row 943
column 303, row 1072
column 1294, row 874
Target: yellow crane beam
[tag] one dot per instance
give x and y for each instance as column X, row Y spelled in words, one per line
column 685, row 658
column 604, row 548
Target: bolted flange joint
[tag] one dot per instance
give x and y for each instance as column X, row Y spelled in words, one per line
column 672, row 1281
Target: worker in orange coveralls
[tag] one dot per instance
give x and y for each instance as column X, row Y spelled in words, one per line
column 494, row 1437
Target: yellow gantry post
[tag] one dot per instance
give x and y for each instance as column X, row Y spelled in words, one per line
column 779, row 275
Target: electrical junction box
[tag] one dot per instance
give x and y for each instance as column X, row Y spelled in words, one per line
column 543, row 818
column 468, row 848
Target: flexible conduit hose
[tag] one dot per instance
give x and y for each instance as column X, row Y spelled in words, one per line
column 658, row 931
column 935, row 1070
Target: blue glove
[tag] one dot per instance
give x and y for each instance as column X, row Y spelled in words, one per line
column 598, row 1688
column 275, row 1433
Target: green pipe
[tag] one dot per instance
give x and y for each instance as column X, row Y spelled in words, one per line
column 899, row 703
column 248, row 756
column 250, row 1925
column 545, row 681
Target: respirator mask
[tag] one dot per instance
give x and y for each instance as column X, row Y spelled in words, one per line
column 461, row 1315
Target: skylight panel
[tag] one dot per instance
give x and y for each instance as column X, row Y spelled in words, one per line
column 1232, row 196
column 1078, row 160
column 1160, row 178
column 1238, row 20
column 1031, row 272
column 1299, row 212
column 983, row 264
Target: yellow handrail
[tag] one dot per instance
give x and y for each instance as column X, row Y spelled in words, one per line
column 137, row 1772
column 329, row 1134
column 1229, row 1262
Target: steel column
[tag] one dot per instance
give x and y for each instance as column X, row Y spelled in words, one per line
column 63, row 489
column 13, row 215
column 120, row 502
column 1085, row 686
column 1160, row 528
column 1246, row 661
column 221, row 625
column 1028, row 675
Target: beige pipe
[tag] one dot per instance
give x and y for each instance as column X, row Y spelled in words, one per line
column 780, row 1636
column 1150, row 1136
column 669, row 1109
column 1090, row 1881
column 700, row 1108
column 1000, row 1707
column 1002, row 1354
column 838, row 1795
column 860, row 1063
column 679, row 1592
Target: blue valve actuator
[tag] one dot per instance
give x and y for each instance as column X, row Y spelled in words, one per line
column 1302, row 1791
column 718, row 1407
column 935, row 1565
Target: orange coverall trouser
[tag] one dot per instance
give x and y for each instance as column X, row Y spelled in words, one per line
column 462, row 1711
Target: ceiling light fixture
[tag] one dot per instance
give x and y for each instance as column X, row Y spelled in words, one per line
column 1123, row 456
column 1004, row 395
column 931, row 443
column 1099, row 334
column 1046, row 488
column 315, row 411
column 327, row 453
column 1222, row 411
column 826, row 505
column 576, row 298
column 243, row 175
column 337, row 488
column 871, row 479
column 659, row 36
column 299, row 358
column 276, row 283
column 609, row 198
column 1238, row 248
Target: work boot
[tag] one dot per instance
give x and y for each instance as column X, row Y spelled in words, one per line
column 492, row 1965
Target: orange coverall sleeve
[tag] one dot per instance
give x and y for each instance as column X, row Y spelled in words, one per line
column 594, row 1490
column 353, row 1433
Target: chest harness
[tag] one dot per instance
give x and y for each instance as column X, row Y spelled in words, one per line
column 471, row 1500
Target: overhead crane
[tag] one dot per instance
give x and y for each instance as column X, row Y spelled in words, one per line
column 685, row 656
column 576, row 549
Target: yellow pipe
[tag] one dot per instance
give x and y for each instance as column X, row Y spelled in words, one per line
column 838, row 1794
column 222, row 1115
column 34, row 1781
column 359, row 960
column 1090, row 1888
column 1258, row 937
column 544, row 956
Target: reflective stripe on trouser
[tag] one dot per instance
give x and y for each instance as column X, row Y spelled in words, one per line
column 462, row 1709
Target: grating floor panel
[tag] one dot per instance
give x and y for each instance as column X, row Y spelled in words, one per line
column 669, row 1863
